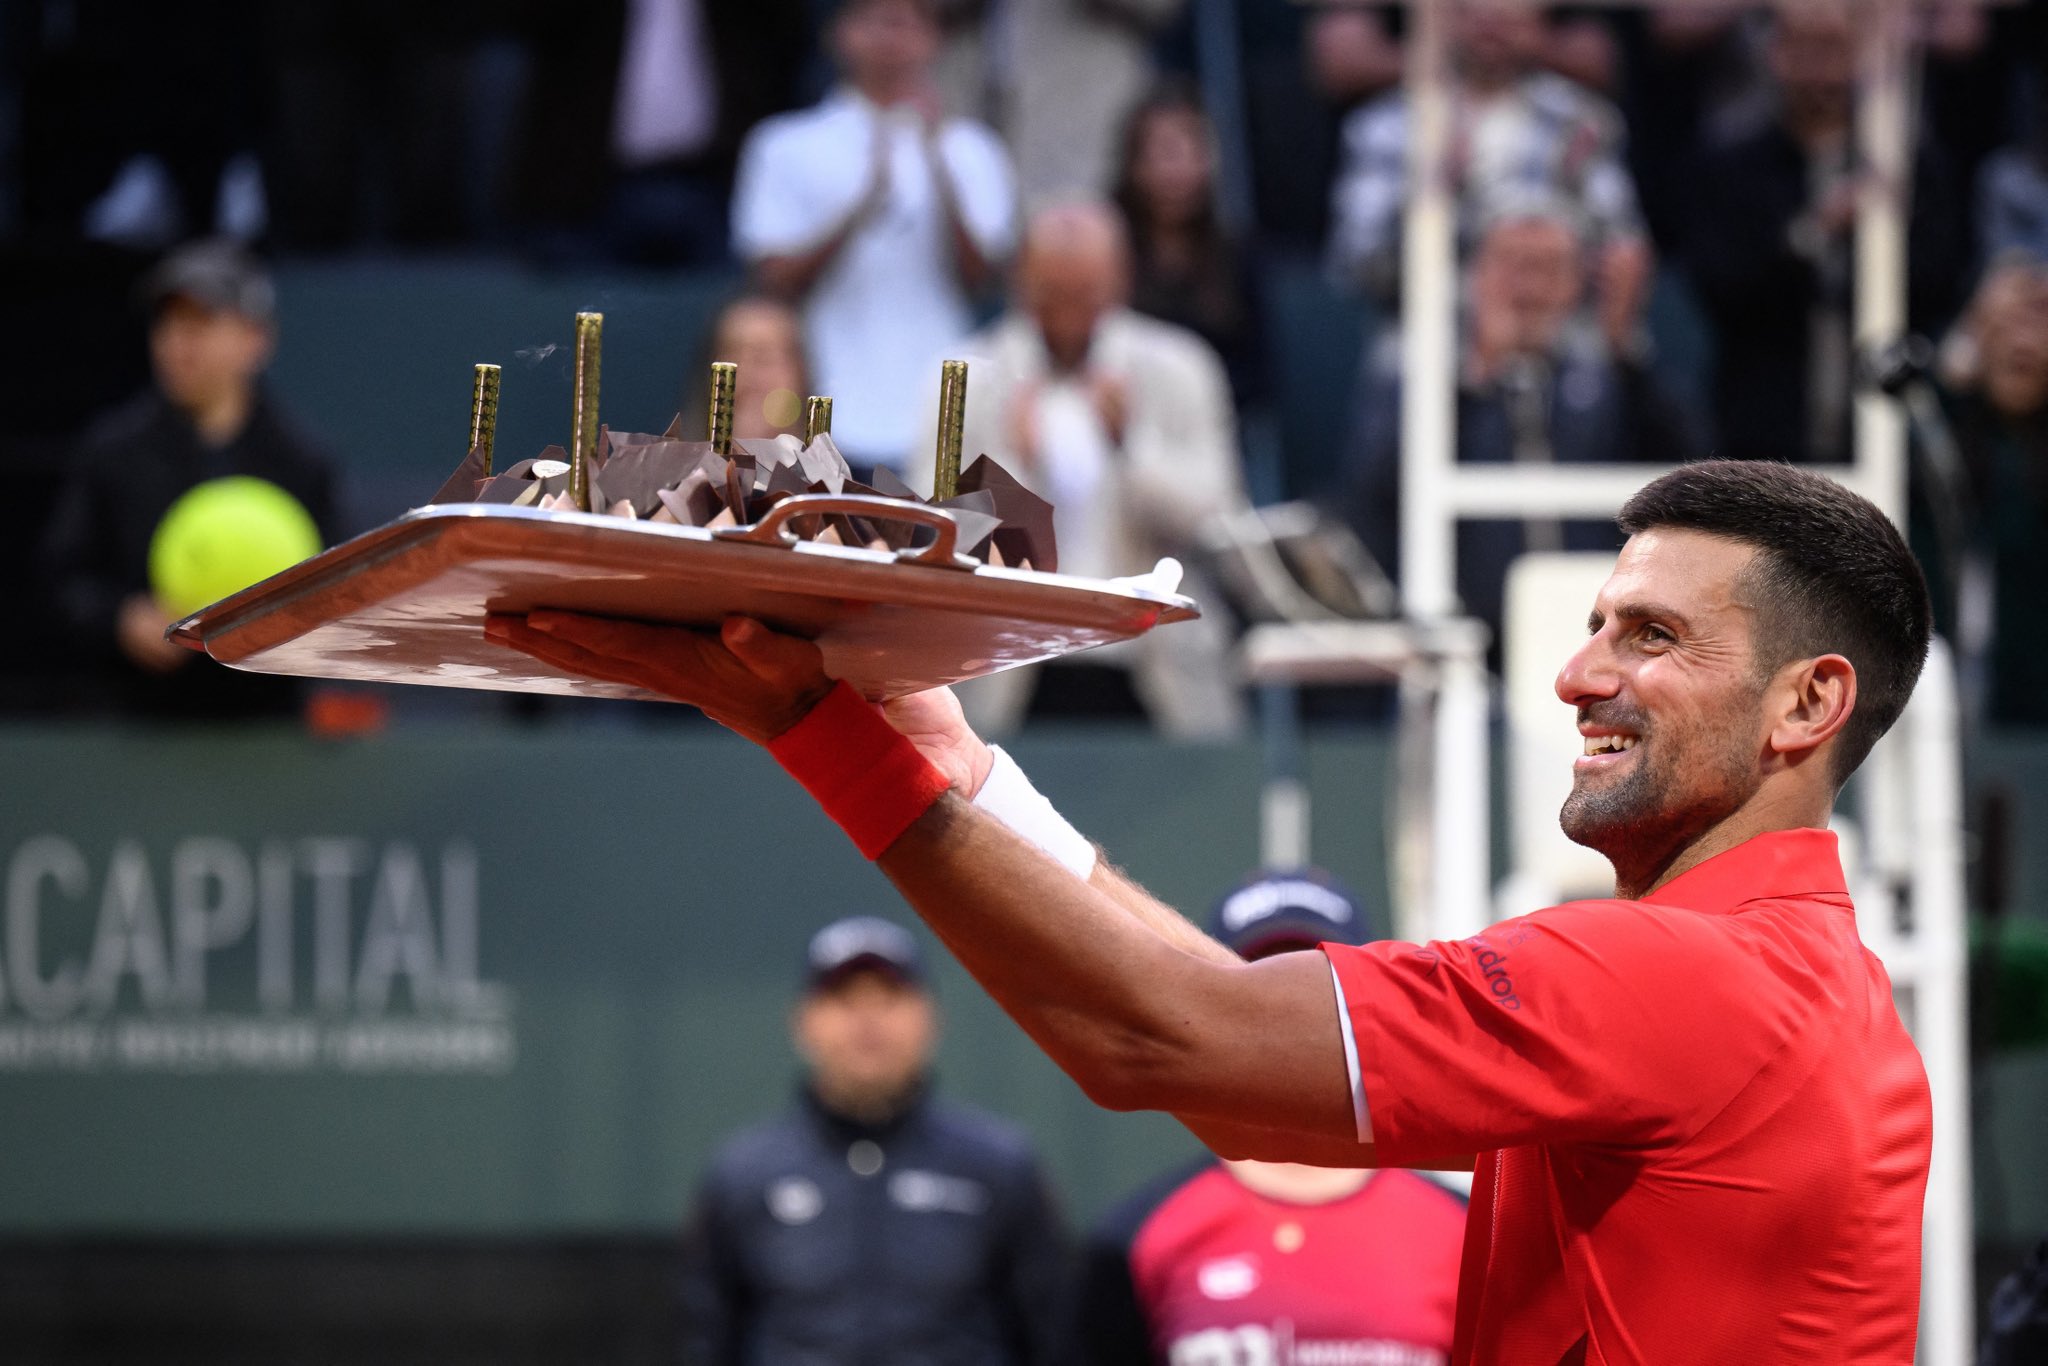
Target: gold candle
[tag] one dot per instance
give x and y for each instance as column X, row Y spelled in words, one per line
column 583, row 440
column 952, row 427
column 817, row 417
column 725, row 382
column 483, row 413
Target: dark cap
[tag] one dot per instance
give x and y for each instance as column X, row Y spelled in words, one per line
column 862, row 942
column 217, row 272
column 1276, row 912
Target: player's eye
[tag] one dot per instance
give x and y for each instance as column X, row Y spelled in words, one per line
column 1655, row 634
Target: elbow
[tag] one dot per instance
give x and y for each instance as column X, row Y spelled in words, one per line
column 1127, row 1069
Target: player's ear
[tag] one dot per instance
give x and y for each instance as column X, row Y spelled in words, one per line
column 1810, row 702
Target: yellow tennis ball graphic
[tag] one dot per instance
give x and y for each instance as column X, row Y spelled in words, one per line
column 223, row 535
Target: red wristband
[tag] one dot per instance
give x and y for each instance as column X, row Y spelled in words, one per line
column 871, row 781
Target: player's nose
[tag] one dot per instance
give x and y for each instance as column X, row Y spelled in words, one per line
column 1590, row 674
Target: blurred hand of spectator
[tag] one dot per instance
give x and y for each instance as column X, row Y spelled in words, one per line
column 139, row 629
column 1112, row 397
column 1626, row 272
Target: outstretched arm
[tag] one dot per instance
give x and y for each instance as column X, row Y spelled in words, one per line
column 1140, row 1008
column 1140, row 1019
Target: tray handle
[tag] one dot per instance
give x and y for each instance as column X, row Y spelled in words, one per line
column 773, row 527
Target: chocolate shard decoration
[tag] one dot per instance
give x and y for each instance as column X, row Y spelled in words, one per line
column 1026, row 532
column 507, row 487
column 638, row 472
column 725, row 481
column 463, row 485
column 974, row 512
column 889, row 486
column 786, row 480
column 823, row 464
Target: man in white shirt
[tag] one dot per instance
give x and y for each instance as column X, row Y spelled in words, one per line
column 882, row 218
column 1125, row 425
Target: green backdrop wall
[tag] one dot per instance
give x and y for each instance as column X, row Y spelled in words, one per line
column 486, row 980
column 490, row 980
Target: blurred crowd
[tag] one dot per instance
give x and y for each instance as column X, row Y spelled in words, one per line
column 1106, row 207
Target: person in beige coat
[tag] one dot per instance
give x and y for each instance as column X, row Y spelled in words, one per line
column 1126, row 425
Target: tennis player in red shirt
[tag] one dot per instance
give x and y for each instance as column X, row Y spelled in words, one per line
column 1701, row 1133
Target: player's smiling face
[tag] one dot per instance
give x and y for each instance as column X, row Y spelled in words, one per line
column 1669, row 701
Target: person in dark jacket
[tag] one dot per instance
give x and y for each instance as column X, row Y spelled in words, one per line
column 207, row 416
column 873, row 1225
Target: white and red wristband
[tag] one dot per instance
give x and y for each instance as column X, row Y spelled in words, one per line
column 874, row 784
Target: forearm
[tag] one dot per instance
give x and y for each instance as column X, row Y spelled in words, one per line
column 1078, row 972
column 1128, row 998
column 972, row 266
column 791, row 274
column 1164, row 921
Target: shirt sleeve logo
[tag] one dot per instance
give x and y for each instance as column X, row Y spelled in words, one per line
column 1491, row 962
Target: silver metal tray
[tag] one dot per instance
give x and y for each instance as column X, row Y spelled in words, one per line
column 405, row 603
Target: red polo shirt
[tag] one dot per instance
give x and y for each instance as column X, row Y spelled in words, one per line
column 1702, row 1131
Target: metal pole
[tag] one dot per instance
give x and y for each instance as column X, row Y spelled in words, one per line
column 1283, row 804
column 1936, row 967
column 1884, row 154
column 1428, row 312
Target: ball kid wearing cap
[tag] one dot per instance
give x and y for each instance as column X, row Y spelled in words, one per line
column 1332, row 1264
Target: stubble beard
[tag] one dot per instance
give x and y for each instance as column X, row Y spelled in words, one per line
column 1643, row 821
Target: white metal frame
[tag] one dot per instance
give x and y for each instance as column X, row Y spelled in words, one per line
column 1911, row 902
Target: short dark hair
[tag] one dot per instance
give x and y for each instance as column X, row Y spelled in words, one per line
column 1832, row 576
